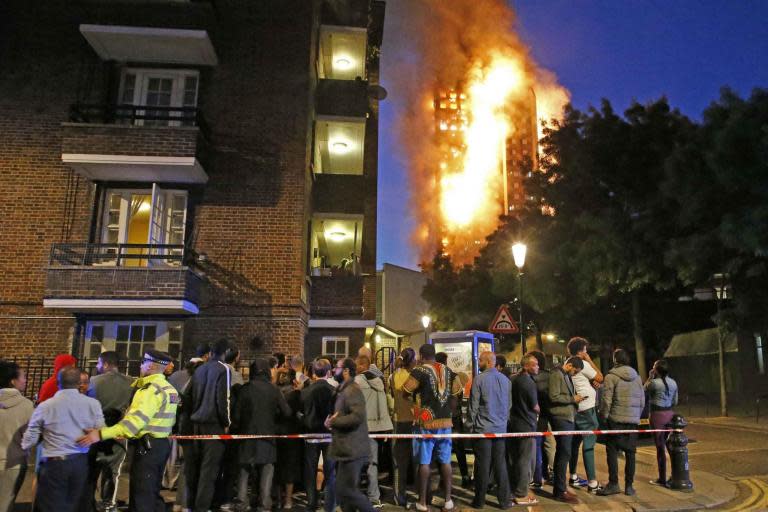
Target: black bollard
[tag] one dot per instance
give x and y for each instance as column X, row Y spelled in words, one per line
column 677, row 444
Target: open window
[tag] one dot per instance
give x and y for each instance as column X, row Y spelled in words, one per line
column 336, row 242
column 342, row 52
column 172, row 93
column 339, row 145
column 142, row 227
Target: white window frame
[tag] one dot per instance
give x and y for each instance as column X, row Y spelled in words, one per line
column 109, row 341
column 143, row 75
column 335, row 340
column 156, row 193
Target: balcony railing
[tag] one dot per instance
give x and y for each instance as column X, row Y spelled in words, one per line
column 120, row 255
column 137, row 115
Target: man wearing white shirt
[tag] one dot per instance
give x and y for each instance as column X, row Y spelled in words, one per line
column 585, row 384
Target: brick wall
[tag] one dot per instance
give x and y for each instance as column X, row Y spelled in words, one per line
column 122, row 283
column 102, row 139
column 340, row 296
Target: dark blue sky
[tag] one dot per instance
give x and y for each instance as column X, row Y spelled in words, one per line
column 622, row 50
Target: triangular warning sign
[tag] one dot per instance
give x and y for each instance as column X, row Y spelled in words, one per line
column 503, row 323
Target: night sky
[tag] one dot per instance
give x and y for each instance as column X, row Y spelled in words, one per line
column 622, row 50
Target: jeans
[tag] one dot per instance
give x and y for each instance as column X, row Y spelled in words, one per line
column 628, row 444
column 659, row 419
column 402, row 453
column 562, row 455
column 585, row 420
column 312, row 453
column 521, row 455
column 202, row 467
column 10, row 484
column 61, row 484
column 491, row 453
column 266, row 473
column 347, row 486
column 374, row 493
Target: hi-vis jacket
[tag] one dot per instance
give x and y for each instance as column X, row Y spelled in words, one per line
column 152, row 411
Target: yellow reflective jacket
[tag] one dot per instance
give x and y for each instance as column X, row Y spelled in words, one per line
column 152, row 411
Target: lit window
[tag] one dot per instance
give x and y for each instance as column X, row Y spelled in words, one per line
column 336, row 347
column 760, row 354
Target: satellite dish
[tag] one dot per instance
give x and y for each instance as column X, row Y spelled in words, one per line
column 377, row 91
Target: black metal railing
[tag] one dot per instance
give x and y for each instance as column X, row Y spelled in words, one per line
column 120, row 255
column 142, row 115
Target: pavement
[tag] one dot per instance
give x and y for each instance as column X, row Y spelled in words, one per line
column 715, row 490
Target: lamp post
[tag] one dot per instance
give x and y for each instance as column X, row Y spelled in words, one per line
column 721, row 293
column 425, row 321
column 518, row 253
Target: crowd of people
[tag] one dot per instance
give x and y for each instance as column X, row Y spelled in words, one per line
column 82, row 430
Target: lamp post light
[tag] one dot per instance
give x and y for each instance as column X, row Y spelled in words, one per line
column 721, row 293
column 425, row 321
column 518, row 253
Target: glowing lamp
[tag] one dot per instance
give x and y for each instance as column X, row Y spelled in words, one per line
column 518, row 253
column 425, row 321
column 339, row 147
column 342, row 63
column 336, row 236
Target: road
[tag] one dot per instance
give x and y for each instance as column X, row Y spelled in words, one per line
column 737, row 451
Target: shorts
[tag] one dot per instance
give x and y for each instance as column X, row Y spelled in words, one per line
column 423, row 448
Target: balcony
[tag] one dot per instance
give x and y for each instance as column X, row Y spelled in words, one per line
column 121, row 279
column 156, row 45
column 346, row 98
column 337, row 296
column 134, row 143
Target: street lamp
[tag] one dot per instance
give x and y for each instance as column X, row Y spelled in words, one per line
column 721, row 293
column 518, row 253
column 425, row 321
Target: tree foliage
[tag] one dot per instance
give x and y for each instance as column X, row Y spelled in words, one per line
column 645, row 204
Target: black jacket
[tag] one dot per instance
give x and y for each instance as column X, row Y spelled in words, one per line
column 349, row 428
column 208, row 397
column 317, row 404
column 259, row 406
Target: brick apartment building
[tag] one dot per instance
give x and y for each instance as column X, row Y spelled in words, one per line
column 174, row 172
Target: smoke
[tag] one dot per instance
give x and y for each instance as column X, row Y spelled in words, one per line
column 436, row 45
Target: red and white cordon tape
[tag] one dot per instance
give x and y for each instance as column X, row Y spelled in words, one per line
column 319, row 438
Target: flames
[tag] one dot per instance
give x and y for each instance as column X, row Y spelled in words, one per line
column 468, row 127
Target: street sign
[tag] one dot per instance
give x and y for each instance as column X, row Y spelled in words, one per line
column 503, row 323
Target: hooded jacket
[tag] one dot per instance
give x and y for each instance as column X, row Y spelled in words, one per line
column 15, row 411
column 376, row 408
column 623, row 397
column 349, row 427
column 51, row 386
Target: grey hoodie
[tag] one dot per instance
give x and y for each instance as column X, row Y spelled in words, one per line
column 15, row 411
column 376, row 408
column 623, row 397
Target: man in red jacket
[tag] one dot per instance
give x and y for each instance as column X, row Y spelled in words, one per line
column 51, row 386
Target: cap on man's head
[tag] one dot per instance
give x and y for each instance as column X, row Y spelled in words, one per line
column 157, row 357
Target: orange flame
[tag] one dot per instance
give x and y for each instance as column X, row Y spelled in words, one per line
column 458, row 144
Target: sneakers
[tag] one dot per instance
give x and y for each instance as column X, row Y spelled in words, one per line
column 377, row 504
column 629, row 490
column 448, row 506
column 659, row 482
column 593, row 486
column 535, row 485
column 466, row 482
column 576, row 481
column 609, row 490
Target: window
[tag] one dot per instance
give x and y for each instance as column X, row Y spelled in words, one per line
column 336, row 243
column 140, row 217
column 173, row 91
column 130, row 339
column 760, row 354
column 336, row 347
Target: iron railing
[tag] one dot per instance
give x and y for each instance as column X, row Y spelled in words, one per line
column 140, row 115
column 89, row 254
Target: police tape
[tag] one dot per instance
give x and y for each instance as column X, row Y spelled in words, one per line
column 322, row 437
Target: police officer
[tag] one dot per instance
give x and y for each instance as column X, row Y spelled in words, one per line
column 147, row 424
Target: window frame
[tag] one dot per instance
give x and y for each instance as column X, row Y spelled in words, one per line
column 335, row 340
